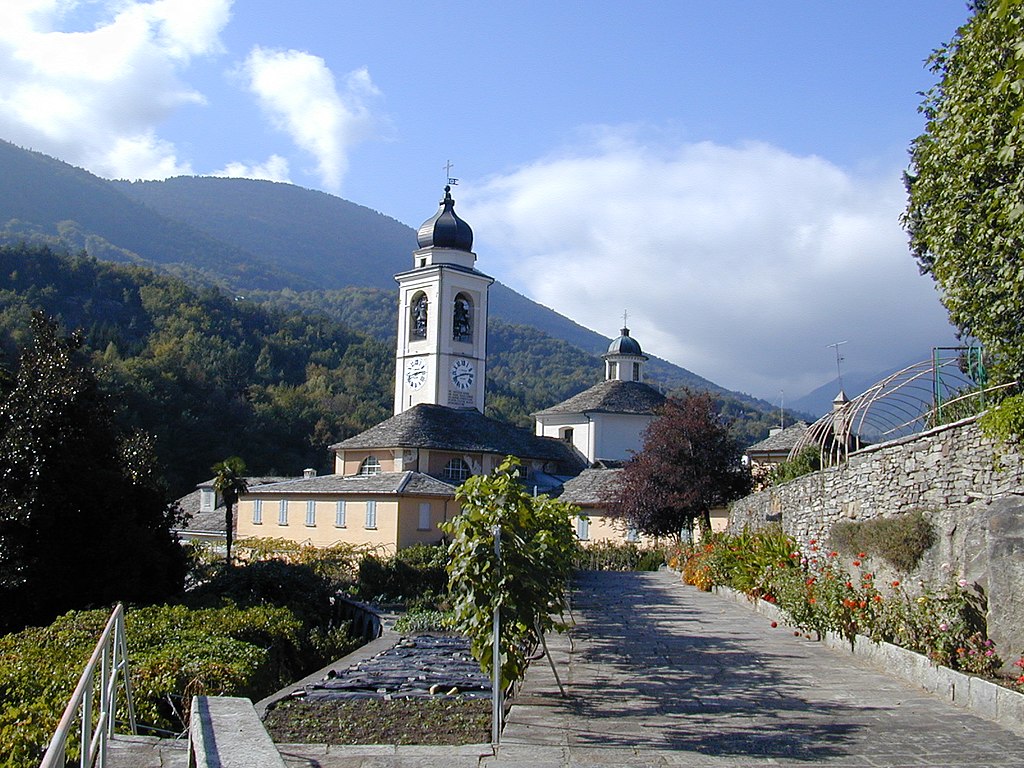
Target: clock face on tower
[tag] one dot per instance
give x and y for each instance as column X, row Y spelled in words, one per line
column 463, row 373
column 416, row 373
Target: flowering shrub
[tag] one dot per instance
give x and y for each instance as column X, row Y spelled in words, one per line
column 1019, row 682
column 818, row 594
column 696, row 566
column 742, row 561
column 748, row 561
column 945, row 624
column 821, row 596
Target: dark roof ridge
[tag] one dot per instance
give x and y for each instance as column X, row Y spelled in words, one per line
column 458, row 429
column 611, row 396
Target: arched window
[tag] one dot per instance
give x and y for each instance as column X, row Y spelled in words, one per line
column 462, row 318
column 370, row 466
column 418, row 316
column 456, row 470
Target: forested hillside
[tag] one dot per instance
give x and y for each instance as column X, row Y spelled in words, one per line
column 208, row 375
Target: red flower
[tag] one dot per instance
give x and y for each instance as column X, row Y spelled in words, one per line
column 895, row 582
column 775, row 624
column 856, row 562
column 862, row 555
column 863, row 603
column 811, row 600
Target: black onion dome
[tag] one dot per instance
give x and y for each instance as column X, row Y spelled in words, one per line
column 445, row 229
column 624, row 345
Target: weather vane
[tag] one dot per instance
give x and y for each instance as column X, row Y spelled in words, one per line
column 839, row 359
column 452, row 181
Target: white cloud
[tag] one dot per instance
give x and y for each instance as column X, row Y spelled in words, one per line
column 274, row 169
column 95, row 97
column 299, row 94
column 739, row 263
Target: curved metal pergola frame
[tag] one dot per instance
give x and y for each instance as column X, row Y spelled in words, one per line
column 909, row 401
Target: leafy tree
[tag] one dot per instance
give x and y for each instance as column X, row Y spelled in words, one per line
column 530, row 579
column 83, row 518
column 966, row 181
column 689, row 463
column 229, row 481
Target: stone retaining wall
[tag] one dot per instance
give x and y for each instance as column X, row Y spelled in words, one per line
column 971, row 489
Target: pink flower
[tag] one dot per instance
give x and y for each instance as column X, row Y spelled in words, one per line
column 943, row 626
column 962, row 582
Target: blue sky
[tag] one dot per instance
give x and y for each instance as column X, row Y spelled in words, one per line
column 729, row 173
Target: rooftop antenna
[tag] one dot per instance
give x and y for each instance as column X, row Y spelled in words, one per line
column 452, row 181
column 839, row 359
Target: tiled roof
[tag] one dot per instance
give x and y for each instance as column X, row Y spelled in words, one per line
column 592, row 487
column 413, row 483
column 784, row 440
column 612, row 396
column 456, row 429
column 213, row 521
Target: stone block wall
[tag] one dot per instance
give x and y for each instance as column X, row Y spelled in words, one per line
column 971, row 489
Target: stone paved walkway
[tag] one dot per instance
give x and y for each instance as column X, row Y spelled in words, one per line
column 662, row 674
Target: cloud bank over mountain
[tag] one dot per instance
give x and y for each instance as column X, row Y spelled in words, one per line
column 742, row 262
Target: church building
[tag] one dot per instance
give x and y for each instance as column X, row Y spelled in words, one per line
column 394, row 484
column 605, row 424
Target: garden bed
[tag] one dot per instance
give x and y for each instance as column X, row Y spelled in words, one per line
column 438, row 721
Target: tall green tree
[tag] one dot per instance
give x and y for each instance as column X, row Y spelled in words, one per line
column 83, row 518
column 689, row 464
column 966, row 181
column 229, row 481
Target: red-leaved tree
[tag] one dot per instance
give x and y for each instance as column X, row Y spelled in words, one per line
column 689, row 464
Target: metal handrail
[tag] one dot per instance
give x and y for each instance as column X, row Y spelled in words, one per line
column 111, row 656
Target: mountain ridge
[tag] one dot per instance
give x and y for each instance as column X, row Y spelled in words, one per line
column 245, row 235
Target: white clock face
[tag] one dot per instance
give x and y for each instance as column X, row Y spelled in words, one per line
column 416, row 373
column 463, row 374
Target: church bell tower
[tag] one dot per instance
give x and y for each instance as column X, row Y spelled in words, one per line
column 441, row 354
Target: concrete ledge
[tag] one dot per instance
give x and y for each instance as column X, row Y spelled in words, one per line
column 225, row 732
column 981, row 697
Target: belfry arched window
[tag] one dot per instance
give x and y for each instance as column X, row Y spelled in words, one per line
column 462, row 318
column 418, row 316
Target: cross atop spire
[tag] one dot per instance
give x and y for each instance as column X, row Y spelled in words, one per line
column 448, row 173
